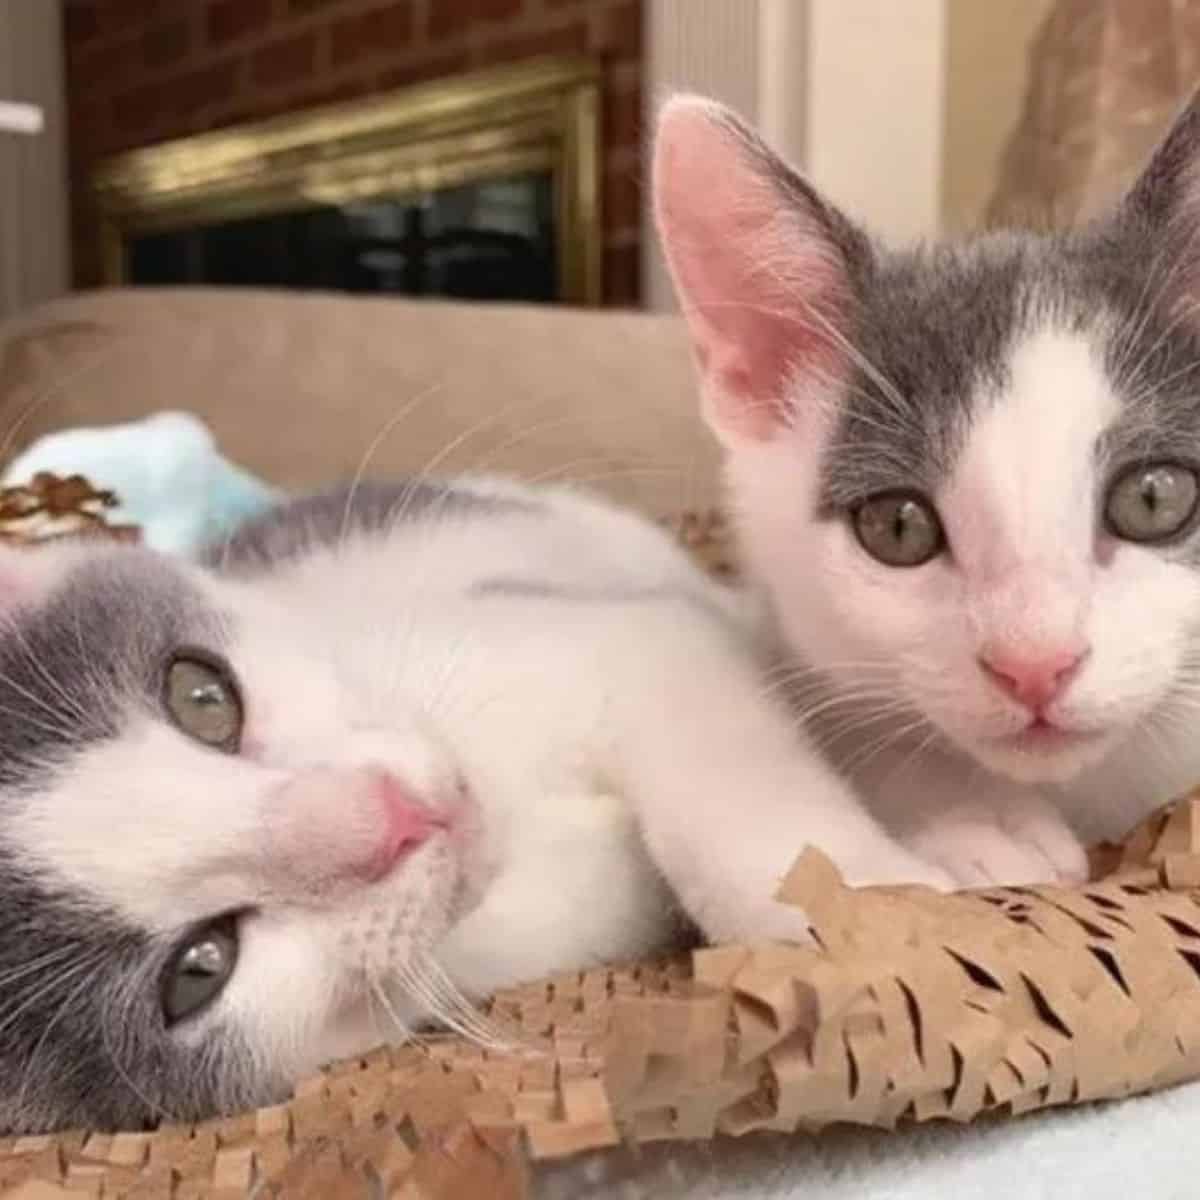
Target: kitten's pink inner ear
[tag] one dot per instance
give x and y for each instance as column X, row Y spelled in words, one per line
column 761, row 284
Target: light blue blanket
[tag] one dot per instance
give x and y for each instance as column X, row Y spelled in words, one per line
column 166, row 470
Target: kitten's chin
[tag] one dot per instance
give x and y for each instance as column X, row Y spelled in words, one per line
column 1052, row 756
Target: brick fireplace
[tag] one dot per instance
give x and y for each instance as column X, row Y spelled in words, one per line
column 144, row 71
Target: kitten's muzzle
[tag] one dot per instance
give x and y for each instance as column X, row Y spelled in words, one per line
column 333, row 828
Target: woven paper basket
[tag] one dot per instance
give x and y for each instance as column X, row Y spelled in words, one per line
column 908, row 1006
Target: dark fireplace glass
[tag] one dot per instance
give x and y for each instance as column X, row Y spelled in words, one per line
column 494, row 240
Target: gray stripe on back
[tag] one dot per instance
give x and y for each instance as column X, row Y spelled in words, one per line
column 695, row 594
column 570, row 593
column 325, row 518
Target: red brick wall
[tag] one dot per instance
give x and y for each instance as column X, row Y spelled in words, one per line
column 141, row 71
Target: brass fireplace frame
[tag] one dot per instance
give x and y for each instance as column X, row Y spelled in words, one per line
column 543, row 114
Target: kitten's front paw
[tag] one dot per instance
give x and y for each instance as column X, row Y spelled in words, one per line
column 1018, row 842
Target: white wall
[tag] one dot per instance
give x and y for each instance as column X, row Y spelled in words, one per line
column 898, row 109
column 875, row 99
column 707, row 46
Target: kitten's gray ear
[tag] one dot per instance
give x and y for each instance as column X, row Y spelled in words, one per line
column 1168, row 189
column 764, row 267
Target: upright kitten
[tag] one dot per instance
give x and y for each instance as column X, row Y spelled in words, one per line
column 966, row 478
column 398, row 744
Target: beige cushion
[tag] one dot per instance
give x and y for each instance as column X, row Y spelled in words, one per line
column 309, row 388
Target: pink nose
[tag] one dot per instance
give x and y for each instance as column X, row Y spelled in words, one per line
column 1032, row 679
column 328, row 826
column 407, row 823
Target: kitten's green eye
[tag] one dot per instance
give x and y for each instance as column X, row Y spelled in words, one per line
column 900, row 529
column 202, row 699
column 199, row 970
column 1152, row 502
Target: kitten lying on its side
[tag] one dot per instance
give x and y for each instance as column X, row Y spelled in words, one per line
column 966, row 478
column 396, row 745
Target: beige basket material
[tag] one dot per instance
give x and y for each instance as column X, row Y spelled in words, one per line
column 909, row 1006
column 917, row 1006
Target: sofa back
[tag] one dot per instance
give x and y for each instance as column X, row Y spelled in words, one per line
column 305, row 389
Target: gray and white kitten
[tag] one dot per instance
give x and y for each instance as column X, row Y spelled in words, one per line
column 966, row 478
column 394, row 746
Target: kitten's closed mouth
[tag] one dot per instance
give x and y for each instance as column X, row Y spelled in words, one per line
column 1041, row 736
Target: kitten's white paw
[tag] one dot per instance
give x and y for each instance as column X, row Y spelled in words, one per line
column 1019, row 841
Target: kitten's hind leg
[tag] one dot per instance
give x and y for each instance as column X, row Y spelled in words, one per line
column 729, row 793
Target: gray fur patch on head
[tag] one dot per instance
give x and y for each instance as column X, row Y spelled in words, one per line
column 84, row 1042
column 929, row 332
column 299, row 526
column 73, row 666
column 1151, row 341
column 934, row 330
column 83, row 1038
column 913, row 337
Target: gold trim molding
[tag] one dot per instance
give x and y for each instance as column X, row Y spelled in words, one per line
column 543, row 114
